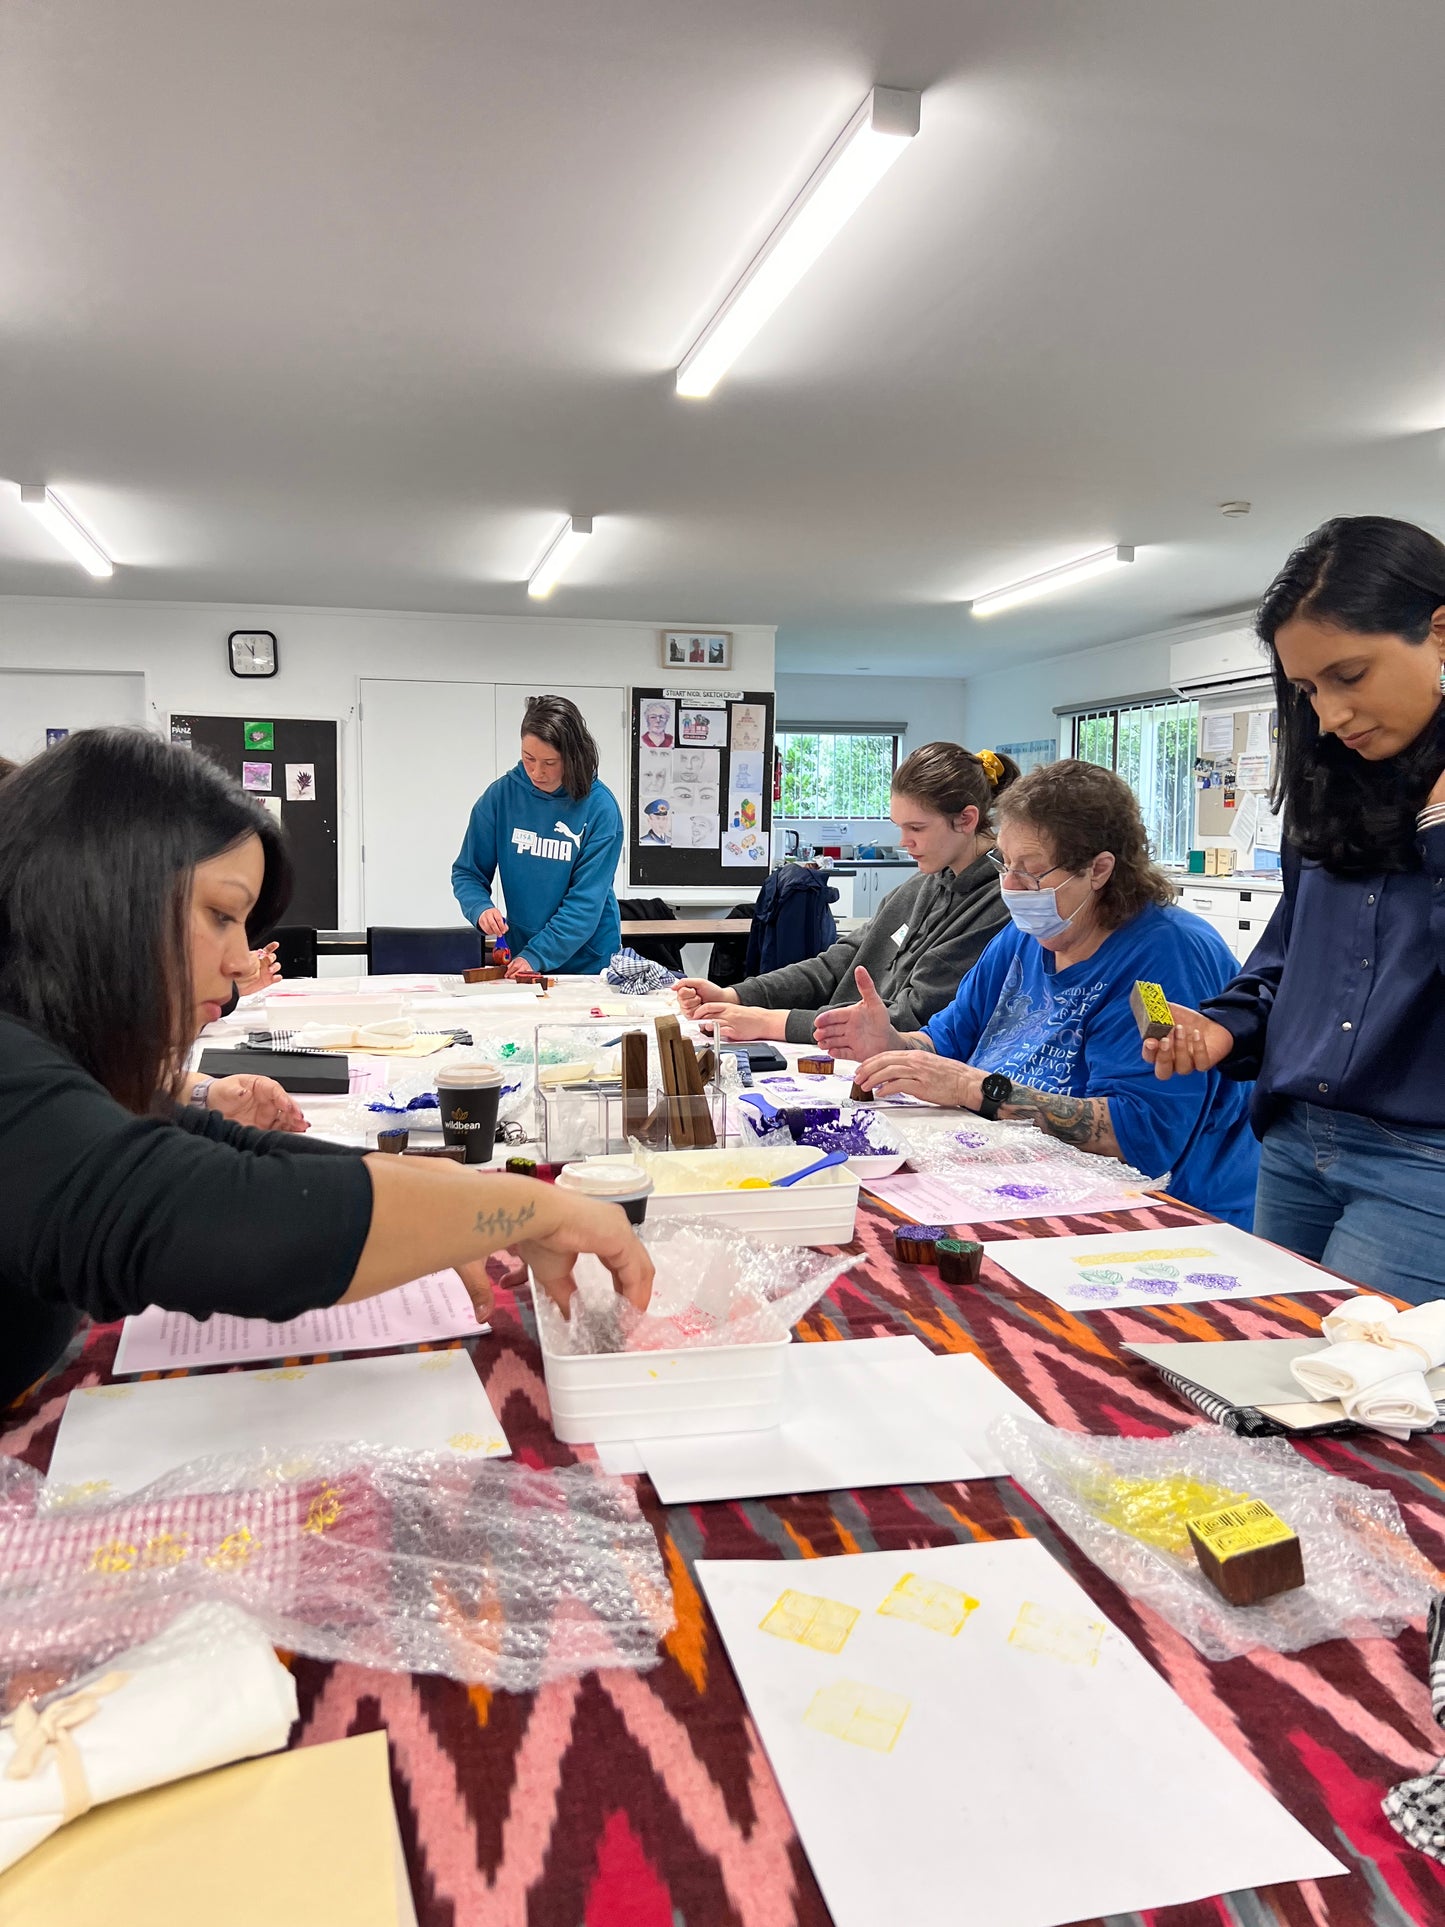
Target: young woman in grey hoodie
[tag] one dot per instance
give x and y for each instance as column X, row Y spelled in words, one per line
column 925, row 936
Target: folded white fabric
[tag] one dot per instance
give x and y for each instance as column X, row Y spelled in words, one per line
column 1376, row 1363
column 205, row 1692
column 392, row 1030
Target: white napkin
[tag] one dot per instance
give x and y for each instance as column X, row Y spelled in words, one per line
column 392, row 1030
column 205, row 1692
column 1377, row 1361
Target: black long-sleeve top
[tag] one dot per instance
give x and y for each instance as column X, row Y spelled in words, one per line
column 1342, row 1002
column 102, row 1212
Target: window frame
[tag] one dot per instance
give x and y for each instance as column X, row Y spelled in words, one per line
column 1164, row 835
column 893, row 733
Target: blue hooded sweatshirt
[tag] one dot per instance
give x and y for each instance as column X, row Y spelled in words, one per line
column 557, row 860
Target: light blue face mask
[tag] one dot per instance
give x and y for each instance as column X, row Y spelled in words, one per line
column 1036, row 912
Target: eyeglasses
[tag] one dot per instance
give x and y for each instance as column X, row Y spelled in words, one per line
column 1025, row 879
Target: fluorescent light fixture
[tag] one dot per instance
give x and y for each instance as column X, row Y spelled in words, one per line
column 853, row 166
column 558, row 554
column 1050, row 581
column 57, row 518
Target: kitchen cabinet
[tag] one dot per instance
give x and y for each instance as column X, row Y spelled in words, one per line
column 1239, row 908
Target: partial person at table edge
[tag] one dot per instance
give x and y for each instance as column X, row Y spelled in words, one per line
column 925, row 936
column 551, row 830
column 1339, row 1013
column 130, row 871
column 1042, row 1030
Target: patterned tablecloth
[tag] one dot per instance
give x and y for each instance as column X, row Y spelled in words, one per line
column 623, row 1800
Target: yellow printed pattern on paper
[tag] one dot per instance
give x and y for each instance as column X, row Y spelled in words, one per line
column 234, row 1550
column 474, row 1442
column 823, row 1624
column 943, row 1609
column 286, row 1374
column 863, row 1715
column 1141, row 1257
column 1065, row 1636
column 324, row 1510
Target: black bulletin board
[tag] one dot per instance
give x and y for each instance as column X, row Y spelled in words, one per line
column 650, row 865
column 298, row 747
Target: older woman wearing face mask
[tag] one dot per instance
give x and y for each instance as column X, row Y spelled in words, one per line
column 1041, row 1029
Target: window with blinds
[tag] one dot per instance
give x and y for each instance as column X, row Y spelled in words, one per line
column 1152, row 745
column 827, row 773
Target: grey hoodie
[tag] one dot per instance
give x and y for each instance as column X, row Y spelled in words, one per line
column 946, row 923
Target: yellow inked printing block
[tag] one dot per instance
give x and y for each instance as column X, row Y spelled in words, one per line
column 1247, row 1552
column 1151, row 1010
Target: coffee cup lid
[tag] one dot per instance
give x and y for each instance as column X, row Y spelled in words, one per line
column 468, row 1076
column 606, row 1178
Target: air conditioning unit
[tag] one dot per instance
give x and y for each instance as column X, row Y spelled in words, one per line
column 1233, row 659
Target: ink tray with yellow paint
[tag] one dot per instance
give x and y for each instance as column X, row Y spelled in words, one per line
column 731, row 1187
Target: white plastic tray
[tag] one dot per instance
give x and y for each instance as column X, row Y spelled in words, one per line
column 664, row 1395
column 821, row 1210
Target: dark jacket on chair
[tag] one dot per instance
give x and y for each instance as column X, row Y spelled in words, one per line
column 791, row 919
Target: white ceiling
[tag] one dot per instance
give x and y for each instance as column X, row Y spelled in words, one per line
column 347, row 302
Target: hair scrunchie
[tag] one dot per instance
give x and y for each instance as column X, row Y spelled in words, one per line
column 991, row 764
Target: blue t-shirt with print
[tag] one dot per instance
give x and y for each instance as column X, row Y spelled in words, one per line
column 1072, row 1031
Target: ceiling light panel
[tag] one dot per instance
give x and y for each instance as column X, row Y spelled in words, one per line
column 859, row 158
column 557, row 557
column 1051, row 581
column 65, row 528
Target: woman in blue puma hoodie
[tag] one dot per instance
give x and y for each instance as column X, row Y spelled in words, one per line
column 553, row 833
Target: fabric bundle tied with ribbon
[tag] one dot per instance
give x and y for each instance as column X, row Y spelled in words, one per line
column 1376, row 1361
column 205, row 1692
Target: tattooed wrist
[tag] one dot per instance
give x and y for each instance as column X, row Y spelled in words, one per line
column 503, row 1225
column 1081, row 1121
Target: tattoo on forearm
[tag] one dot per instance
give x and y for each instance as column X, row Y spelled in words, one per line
column 504, row 1225
column 1081, row 1121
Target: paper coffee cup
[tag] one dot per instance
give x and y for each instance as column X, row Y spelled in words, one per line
column 467, row 1099
column 612, row 1181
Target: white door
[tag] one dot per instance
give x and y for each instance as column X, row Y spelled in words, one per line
column 34, row 701
column 427, row 753
column 604, row 710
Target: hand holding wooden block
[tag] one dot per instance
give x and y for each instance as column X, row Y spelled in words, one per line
column 1151, row 1010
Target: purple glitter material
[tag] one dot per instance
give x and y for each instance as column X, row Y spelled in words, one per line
column 971, row 1140
column 802, row 1118
column 1021, row 1191
column 1094, row 1294
column 924, row 1231
column 1213, row 1280
column 853, row 1136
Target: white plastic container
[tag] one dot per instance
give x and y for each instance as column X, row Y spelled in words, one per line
column 664, row 1395
column 289, row 1010
column 820, row 1210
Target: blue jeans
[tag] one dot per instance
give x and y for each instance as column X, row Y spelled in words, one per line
column 1364, row 1198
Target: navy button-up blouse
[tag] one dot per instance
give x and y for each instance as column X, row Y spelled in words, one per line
column 1342, row 1002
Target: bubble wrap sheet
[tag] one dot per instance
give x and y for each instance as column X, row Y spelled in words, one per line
column 712, row 1287
column 1003, row 1170
column 1364, row 1576
column 494, row 1574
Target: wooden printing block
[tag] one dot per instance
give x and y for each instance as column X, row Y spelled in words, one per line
column 857, row 1095
column 958, row 1260
column 1246, row 1552
column 453, row 1153
column 393, row 1140
column 1151, row 1010
column 815, row 1067
column 484, row 974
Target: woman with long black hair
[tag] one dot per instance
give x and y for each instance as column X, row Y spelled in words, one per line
column 1339, row 1015
column 129, row 875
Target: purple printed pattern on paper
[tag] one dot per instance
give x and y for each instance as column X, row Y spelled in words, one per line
column 1153, row 1285
column 1094, row 1294
column 1213, row 1280
column 1023, row 1192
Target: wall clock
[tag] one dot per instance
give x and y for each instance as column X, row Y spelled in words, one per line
column 252, row 652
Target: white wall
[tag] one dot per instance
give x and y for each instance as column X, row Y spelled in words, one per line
column 932, row 707
column 1017, row 705
column 181, row 649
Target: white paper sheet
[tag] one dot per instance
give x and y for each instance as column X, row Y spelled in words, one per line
column 1269, row 831
column 978, row 1195
column 1187, row 1266
column 1033, row 1726
column 427, row 1309
column 1216, row 733
column 872, row 1412
column 117, row 1438
column 1243, row 829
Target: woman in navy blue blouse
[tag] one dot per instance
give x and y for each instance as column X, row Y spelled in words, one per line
column 1339, row 1014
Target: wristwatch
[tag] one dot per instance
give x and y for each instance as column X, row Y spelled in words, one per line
column 997, row 1089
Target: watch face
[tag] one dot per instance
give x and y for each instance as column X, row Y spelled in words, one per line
column 997, row 1089
column 253, row 652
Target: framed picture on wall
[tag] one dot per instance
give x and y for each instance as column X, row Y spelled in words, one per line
column 693, row 649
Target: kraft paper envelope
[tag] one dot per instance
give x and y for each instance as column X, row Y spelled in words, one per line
column 301, row 1839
